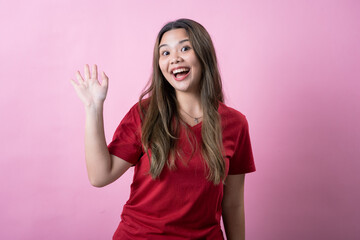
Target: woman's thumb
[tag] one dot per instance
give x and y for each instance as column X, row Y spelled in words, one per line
column 105, row 79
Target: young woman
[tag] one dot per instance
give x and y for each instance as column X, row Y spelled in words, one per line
column 190, row 150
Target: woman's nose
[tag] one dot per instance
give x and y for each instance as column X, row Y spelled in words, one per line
column 176, row 59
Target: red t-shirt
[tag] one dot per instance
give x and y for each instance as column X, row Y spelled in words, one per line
column 181, row 204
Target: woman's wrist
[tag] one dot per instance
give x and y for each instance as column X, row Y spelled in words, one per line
column 94, row 108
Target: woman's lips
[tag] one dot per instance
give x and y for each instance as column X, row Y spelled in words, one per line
column 180, row 78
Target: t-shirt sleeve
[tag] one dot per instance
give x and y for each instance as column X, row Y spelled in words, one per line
column 242, row 160
column 126, row 142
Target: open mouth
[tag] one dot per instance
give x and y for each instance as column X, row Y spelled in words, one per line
column 181, row 73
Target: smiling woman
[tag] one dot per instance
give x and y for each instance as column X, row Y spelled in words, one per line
column 189, row 149
column 178, row 62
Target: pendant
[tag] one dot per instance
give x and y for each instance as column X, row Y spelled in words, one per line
column 196, row 120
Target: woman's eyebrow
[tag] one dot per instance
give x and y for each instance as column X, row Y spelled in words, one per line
column 163, row 45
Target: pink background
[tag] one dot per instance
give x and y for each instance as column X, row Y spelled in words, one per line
column 292, row 67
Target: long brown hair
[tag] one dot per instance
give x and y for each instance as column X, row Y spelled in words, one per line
column 161, row 121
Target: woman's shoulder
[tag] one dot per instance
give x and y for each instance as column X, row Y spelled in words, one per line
column 138, row 111
column 140, row 106
column 230, row 114
column 233, row 122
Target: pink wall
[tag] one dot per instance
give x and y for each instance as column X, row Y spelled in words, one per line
column 292, row 67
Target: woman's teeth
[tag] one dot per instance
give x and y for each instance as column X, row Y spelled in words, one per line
column 179, row 70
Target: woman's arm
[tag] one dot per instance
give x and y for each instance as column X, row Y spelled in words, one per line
column 233, row 207
column 102, row 167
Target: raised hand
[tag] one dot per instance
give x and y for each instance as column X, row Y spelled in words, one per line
column 90, row 90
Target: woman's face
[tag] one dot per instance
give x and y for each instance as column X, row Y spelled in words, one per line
column 178, row 61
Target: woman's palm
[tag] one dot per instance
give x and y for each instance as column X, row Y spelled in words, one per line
column 89, row 90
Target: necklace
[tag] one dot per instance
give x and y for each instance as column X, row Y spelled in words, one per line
column 196, row 119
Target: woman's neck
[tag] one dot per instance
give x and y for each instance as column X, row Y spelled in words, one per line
column 190, row 103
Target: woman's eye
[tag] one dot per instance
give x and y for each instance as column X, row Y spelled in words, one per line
column 183, row 49
column 165, row 53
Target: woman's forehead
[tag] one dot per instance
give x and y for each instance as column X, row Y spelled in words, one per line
column 173, row 37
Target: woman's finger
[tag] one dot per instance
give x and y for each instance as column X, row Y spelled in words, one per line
column 79, row 77
column 94, row 74
column 74, row 83
column 105, row 80
column 87, row 72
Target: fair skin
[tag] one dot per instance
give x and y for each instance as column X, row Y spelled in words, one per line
column 103, row 168
column 233, row 207
column 176, row 52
